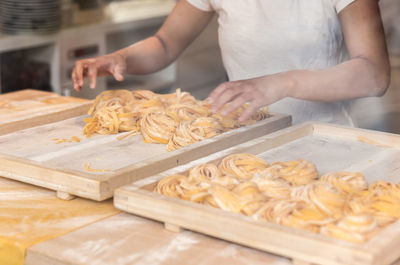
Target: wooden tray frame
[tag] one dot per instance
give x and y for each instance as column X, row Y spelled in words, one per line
column 99, row 187
column 302, row 247
column 81, row 107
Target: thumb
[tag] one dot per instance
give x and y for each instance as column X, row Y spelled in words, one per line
column 118, row 72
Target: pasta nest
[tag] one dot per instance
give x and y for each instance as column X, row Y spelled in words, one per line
column 338, row 204
column 346, row 182
column 296, row 172
column 157, row 127
column 242, row 166
column 176, row 119
column 322, row 197
column 190, row 132
column 354, row 228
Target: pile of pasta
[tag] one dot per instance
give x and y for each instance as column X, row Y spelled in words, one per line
column 176, row 119
column 338, row 204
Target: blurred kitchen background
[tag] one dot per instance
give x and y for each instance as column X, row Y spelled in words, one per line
column 41, row 39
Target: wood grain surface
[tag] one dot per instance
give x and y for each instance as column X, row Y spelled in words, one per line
column 126, row 239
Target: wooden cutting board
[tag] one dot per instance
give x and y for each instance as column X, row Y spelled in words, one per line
column 27, row 108
column 59, row 157
column 330, row 148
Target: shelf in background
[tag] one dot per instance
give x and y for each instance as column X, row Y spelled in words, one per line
column 118, row 16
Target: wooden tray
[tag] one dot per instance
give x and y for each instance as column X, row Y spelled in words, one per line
column 41, row 157
column 27, row 108
column 331, row 148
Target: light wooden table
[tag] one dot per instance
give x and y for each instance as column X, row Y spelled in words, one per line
column 127, row 239
column 30, row 215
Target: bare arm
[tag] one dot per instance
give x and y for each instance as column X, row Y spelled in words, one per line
column 182, row 26
column 365, row 74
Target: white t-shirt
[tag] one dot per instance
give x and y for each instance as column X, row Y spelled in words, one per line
column 260, row 37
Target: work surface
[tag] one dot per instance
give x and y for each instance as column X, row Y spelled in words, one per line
column 120, row 239
column 127, row 239
column 29, row 215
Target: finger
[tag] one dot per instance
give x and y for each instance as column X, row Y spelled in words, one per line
column 118, row 72
column 79, row 73
column 92, row 75
column 249, row 111
column 217, row 92
column 77, row 87
column 119, row 77
column 228, row 95
column 235, row 104
column 118, row 68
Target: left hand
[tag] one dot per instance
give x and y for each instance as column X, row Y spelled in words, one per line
column 257, row 92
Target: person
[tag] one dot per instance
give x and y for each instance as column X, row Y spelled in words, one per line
column 309, row 59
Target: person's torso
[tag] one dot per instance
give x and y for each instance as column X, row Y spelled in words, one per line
column 260, row 37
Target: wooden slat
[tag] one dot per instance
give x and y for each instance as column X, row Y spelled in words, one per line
column 331, row 148
column 34, row 156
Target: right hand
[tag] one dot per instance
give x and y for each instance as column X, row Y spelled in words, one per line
column 110, row 64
